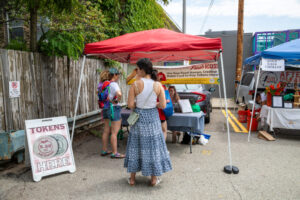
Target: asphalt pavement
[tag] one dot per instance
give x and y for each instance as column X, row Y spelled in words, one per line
column 268, row 170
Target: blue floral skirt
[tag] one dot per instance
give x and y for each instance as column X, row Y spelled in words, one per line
column 146, row 147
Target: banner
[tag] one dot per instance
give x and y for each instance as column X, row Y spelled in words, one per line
column 273, row 78
column 272, row 65
column 203, row 73
column 49, row 146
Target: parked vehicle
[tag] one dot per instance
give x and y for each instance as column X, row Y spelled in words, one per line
column 245, row 88
column 199, row 94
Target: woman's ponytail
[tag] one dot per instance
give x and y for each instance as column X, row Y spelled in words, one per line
column 154, row 75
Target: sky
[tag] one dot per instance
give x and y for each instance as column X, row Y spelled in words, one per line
column 259, row 15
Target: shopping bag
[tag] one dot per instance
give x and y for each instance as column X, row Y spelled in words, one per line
column 133, row 117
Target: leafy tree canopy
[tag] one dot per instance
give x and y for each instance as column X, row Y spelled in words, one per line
column 93, row 20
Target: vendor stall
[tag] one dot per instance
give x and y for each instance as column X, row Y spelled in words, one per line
column 159, row 45
column 282, row 117
column 186, row 122
column 280, row 114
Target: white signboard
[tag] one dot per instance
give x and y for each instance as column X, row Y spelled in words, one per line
column 14, row 89
column 49, row 146
column 272, row 65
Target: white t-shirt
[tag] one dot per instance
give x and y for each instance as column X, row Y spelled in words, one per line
column 114, row 88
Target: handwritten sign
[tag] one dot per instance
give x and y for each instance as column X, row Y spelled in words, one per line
column 49, row 146
column 14, row 89
column 272, row 65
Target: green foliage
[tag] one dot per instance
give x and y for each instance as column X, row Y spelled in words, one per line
column 17, row 44
column 62, row 44
column 86, row 19
column 126, row 16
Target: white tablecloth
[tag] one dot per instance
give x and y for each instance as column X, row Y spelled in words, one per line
column 282, row 118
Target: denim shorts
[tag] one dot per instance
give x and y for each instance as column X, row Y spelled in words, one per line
column 116, row 113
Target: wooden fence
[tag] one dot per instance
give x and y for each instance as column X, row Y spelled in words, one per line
column 48, row 87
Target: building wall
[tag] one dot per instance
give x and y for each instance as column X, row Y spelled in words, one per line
column 229, row 42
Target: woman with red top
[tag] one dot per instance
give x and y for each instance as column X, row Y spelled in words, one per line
column 161, row 113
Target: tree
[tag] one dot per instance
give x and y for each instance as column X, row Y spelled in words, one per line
column 34, row 6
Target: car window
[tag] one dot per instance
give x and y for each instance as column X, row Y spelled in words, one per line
column 247, row 78
column 180, row 87
column 194, row 87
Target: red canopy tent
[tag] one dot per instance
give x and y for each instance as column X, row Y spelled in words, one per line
column 157, row 45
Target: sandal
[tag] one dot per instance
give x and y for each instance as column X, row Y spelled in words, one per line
column 117, row 155
column 129, row 182
column 158, row 181
column 105, row 153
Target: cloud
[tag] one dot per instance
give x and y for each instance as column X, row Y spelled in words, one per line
column 252, row 8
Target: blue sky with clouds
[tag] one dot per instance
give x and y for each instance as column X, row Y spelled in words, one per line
column 259, row 15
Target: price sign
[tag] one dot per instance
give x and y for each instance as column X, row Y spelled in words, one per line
column 49, row 146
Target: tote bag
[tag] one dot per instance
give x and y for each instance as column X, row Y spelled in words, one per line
column 168, row 111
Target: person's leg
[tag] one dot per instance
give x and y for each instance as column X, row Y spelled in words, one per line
column 105, row 135
column 174, row 138
column 164, row 129
column 132, row 178
column 153, row 180
column 115, row 127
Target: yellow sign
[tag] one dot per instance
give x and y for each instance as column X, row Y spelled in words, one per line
column 202, row 73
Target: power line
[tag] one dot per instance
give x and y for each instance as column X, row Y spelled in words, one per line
column 205, row 18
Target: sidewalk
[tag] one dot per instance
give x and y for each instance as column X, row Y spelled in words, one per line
column 220, row 103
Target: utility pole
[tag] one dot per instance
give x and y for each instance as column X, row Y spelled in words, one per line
column 240, row 35
column 184, row 16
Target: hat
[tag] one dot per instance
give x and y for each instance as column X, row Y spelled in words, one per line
column 113, row 71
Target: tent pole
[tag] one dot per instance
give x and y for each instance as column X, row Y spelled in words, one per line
column 229, row 168
column 238, row 91
column 220, row 95
column 77, row 99
column 253, row 107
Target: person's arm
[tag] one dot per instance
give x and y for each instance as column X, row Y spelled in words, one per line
column 131, row 96
column 131, row 76
column 177, row 98
column 161, row 96
column 119, row 95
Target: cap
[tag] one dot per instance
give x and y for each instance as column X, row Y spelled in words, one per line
column 113, row 71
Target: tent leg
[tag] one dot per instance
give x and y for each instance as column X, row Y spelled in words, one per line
column 253, row 107
column 77, row 99
column 238, row 91
column 229, row 168
column 220, row 95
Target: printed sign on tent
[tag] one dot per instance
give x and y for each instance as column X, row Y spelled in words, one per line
column 49, row 146
column 202, row 73
column 272, row 65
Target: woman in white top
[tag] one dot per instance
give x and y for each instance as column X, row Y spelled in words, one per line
column 112, row 116
column 146, row 148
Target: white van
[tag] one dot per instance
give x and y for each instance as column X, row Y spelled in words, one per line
column 245, row 87
column 266, row 78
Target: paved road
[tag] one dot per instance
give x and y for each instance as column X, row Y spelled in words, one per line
column 268, row 170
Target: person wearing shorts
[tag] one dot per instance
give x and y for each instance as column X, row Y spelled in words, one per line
column 112, row 116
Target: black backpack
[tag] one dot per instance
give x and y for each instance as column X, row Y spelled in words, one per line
column 186, row 138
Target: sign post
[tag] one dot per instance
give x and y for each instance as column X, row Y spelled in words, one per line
column 49, row 145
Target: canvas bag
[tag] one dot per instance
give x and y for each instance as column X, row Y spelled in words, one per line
column 133, row 117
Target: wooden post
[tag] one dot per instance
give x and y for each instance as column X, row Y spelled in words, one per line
column 240, row 35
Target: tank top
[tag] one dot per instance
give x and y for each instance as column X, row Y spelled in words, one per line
column 143, row 96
